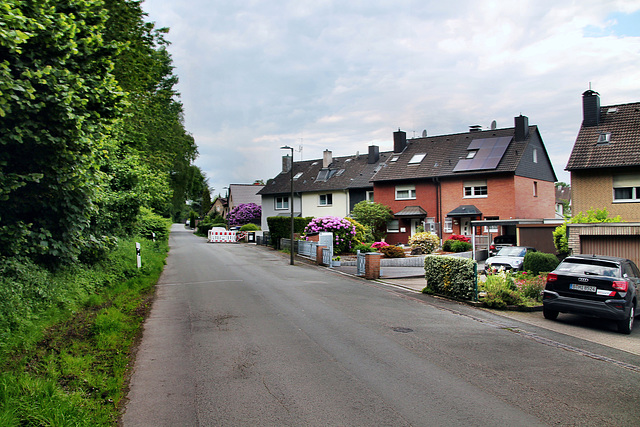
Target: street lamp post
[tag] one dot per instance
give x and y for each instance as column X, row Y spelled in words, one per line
column 286, row 147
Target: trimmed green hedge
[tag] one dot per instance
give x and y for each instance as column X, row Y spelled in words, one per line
column 450, row 276
column 540, row 262
column 280, row 227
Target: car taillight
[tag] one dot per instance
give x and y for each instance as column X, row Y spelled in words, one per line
column 552, row 277
column 492, row 247
column 620, row 285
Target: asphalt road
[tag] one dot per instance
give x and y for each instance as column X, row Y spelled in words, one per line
column 237, row 336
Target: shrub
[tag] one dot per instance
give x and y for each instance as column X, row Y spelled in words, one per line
column 460, row 246
column 538, row 262
column 392, row 251
column 426, row 242
column 460, row 238
column 450, row 276
column 251, row 227
column 245, row 213
column 362, row 233
column 505, row 288
column 363, row 248
column 149, row 223
column 192, row 219
column 378, row 245
column 280, row 227
column 343, row 231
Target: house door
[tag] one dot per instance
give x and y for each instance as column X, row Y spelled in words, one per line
column 414, row 225
column 465, row 226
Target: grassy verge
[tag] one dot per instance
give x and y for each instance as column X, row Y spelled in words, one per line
column 67, row 336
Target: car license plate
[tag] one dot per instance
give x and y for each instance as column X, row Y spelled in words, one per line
column 582, row 288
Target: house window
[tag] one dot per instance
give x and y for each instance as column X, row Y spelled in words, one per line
column 604, row 138
column 471, row 154
column 417, row 158
column 475, row 189
column 370, row 196
column 326, row 199
column 448, row 225
column 298, row 175
column 393, row 226
column 405, row 192
column 394, row 159
column 535, row 155
column 282, row 203
column 535, row 188
column 626, row 188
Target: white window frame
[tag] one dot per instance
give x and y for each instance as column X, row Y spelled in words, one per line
column 283, row 201
column 393, row 226
column 629, row 182
column 417, row 158
column 410, row 189
column 448, row 225
column 493, row 228
column 476, row 189
column 325, row 199
column 370, row 196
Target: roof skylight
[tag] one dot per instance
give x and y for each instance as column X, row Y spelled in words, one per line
column 417, row 158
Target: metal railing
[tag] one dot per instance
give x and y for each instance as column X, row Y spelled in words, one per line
column 360, row 264
column 326, row 256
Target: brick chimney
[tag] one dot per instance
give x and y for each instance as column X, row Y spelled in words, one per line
column 399, row 141
column 327, row 159
column 590, row 108
column 374, row 154
column 522, row 127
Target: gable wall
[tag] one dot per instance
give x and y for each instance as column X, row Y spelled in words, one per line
column 311, row 206
column 528, row 206
column 593, row 189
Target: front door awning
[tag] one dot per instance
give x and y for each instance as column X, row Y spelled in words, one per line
column 411, row 212
column 465, row 210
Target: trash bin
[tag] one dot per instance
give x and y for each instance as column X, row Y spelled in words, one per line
column 251, row 237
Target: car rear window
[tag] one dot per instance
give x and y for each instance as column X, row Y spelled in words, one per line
column 596, row 268
column 512, row 251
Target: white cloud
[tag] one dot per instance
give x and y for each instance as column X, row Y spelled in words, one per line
column 340, row 75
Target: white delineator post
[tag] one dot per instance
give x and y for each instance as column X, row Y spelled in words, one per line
column 138, row 257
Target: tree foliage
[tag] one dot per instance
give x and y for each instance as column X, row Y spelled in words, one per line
column 245, row 213
column 373, row 215
column 592, row 216
column 91, row 126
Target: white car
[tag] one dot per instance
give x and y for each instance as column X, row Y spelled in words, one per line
column 508, row 258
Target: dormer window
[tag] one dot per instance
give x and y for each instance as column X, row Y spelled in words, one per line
column 604, row 138
column 417, row 158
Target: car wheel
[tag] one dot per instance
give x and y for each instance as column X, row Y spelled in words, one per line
column 549, row 314
column 626, row 325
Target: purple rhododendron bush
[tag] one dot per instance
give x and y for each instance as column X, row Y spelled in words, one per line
column 244, row 213
column 344, row 232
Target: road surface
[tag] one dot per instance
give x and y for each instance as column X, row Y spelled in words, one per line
column 239, row 337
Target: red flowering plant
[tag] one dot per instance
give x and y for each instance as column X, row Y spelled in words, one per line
column 460, row 238
column 378, row 245
column 343, row 231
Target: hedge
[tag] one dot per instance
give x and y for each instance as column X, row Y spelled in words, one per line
column 540, row 262
column 450, row 276
column 280, row 227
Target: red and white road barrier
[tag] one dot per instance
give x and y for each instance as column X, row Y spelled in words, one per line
column 221, row 235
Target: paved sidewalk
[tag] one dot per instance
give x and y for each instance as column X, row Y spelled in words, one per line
column 406, row 277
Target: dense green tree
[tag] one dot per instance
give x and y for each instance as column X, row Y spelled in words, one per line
column 374, row 216
column 592, row 216
column 58, row 99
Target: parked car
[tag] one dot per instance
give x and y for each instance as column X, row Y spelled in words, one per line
column 509, row 258
column 594, row 285
column 500, row 242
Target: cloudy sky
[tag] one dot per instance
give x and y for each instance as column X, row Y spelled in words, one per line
column 342, row 75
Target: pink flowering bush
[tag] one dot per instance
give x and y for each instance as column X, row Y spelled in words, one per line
column 344, row 232
column 244, row 213
column 378, row 245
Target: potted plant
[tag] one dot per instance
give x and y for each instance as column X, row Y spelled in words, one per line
column 335, row 262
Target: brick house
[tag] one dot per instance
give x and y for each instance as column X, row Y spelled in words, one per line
column 330, row 186
column 447, row 181
column 605, row 160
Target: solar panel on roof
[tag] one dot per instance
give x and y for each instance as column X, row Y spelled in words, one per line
column 488, row 156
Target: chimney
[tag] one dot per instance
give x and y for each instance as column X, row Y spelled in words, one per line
column 374, row 154
column 399, row 141
column 327, row 159
column 286, row 164
column 590, row 108
column 522, row 127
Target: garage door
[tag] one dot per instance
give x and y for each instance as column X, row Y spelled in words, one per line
column 620, row 246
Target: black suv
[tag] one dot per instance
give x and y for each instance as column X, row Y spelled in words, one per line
column 593, row 285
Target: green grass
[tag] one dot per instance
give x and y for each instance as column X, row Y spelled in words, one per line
column 66, row 346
